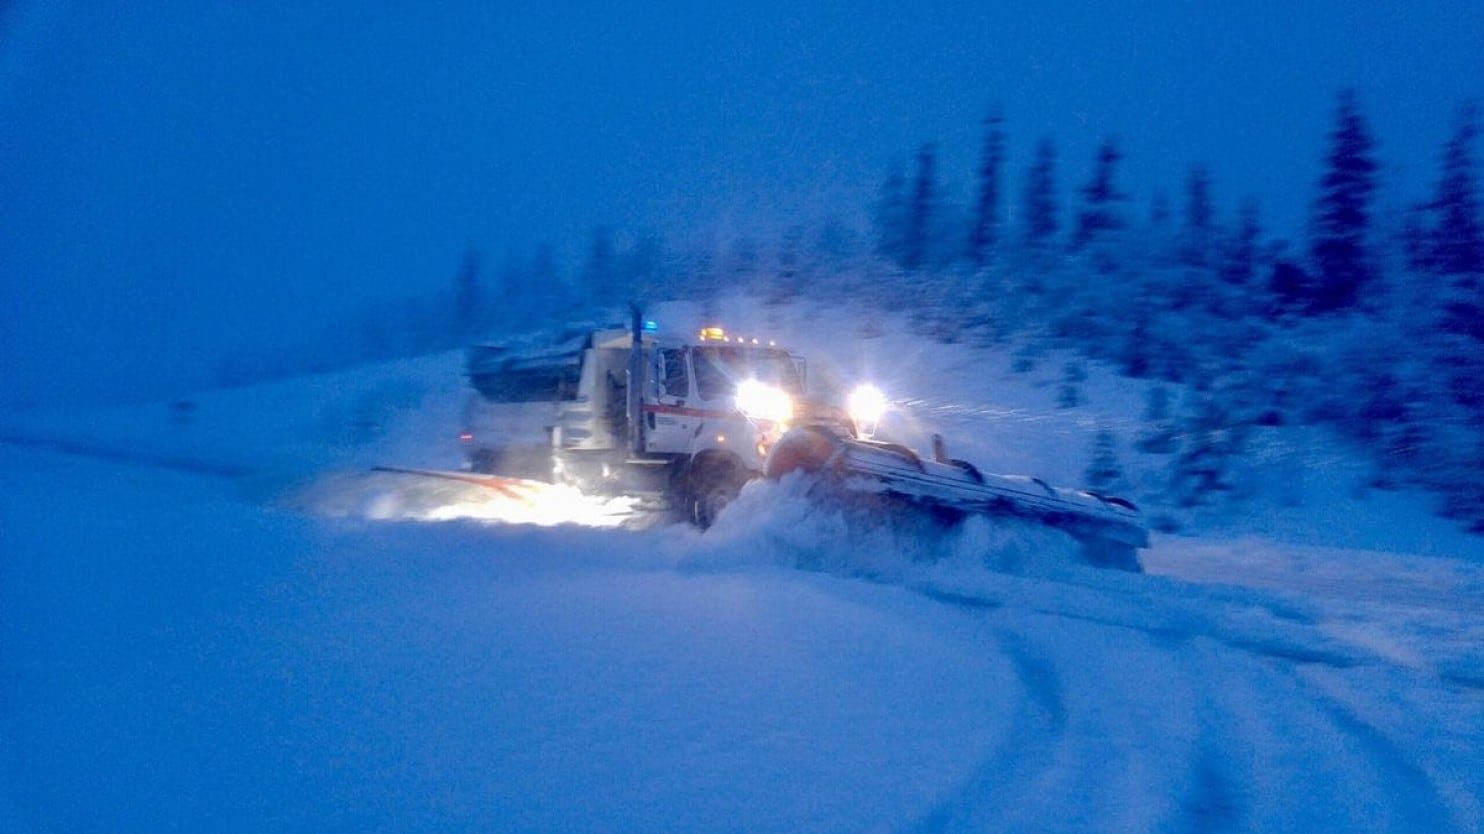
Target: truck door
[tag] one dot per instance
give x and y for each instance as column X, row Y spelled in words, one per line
column 669, row 421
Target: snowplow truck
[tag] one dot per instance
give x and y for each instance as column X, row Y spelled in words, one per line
column 685, row 423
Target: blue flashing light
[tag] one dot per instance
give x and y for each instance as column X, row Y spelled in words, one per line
column 651, row 326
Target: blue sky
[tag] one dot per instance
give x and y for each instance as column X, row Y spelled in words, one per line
column 178, row 180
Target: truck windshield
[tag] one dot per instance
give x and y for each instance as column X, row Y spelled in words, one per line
column 719, row 368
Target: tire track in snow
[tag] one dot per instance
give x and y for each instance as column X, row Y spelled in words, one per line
column 1258, row 749
column 1216, row 801
column 1424, row 808
column 1040, row 717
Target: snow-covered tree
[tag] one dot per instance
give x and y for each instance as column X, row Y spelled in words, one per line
column 1105, row 473
column 1340, row 226
column 1069, row 392
column 1456, row 249
column 984, row 231
column 1200, row 472
column 1101, row 200
column 1239, row 256
column 1458, row 240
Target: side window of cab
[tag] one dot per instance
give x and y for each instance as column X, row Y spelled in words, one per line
column 675, row 379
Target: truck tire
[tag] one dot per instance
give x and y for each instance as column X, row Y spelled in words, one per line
column 712, row 486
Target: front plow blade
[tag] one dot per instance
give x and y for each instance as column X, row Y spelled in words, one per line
column 1109, row 529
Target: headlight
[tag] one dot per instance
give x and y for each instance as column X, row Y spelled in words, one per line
column 866, row 405
column 758, row 401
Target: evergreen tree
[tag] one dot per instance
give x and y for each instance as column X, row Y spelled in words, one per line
column 1199, row 472
column 1105, row 473
column 1458, row 242
column 1158, row 435
column 1069, row 394
column 1101, row 198
column 920, row 214
column 1038, row 198
column 1239, row 262
column 1341, row 218
column 1137, row 346
column 1289, row 288
column 1456, row 254
column 985, row 231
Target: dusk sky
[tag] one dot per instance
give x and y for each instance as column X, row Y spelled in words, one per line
column 182, row 180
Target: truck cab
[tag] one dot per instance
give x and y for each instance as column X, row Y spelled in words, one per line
column 633, row 411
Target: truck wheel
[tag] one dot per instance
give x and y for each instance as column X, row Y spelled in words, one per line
column 712, row 492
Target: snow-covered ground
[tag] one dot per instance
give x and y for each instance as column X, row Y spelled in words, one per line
column 216, row 621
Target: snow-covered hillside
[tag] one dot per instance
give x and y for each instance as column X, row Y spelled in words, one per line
column 214, row 619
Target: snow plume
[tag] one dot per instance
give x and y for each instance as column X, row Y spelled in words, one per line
column 789, row 525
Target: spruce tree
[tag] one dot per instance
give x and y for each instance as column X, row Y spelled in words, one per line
column 1105, row 473
column 1458, row 242
column 985, row 231
column 1038, row 198
column 1239, row 261
column 1158, row 435
column 1456, row 255
column 1342, row 212
column 1199, row 472
column 1101, row 198
column 1069, row 393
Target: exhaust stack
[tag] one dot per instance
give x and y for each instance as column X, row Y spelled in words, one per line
column 635, row 382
